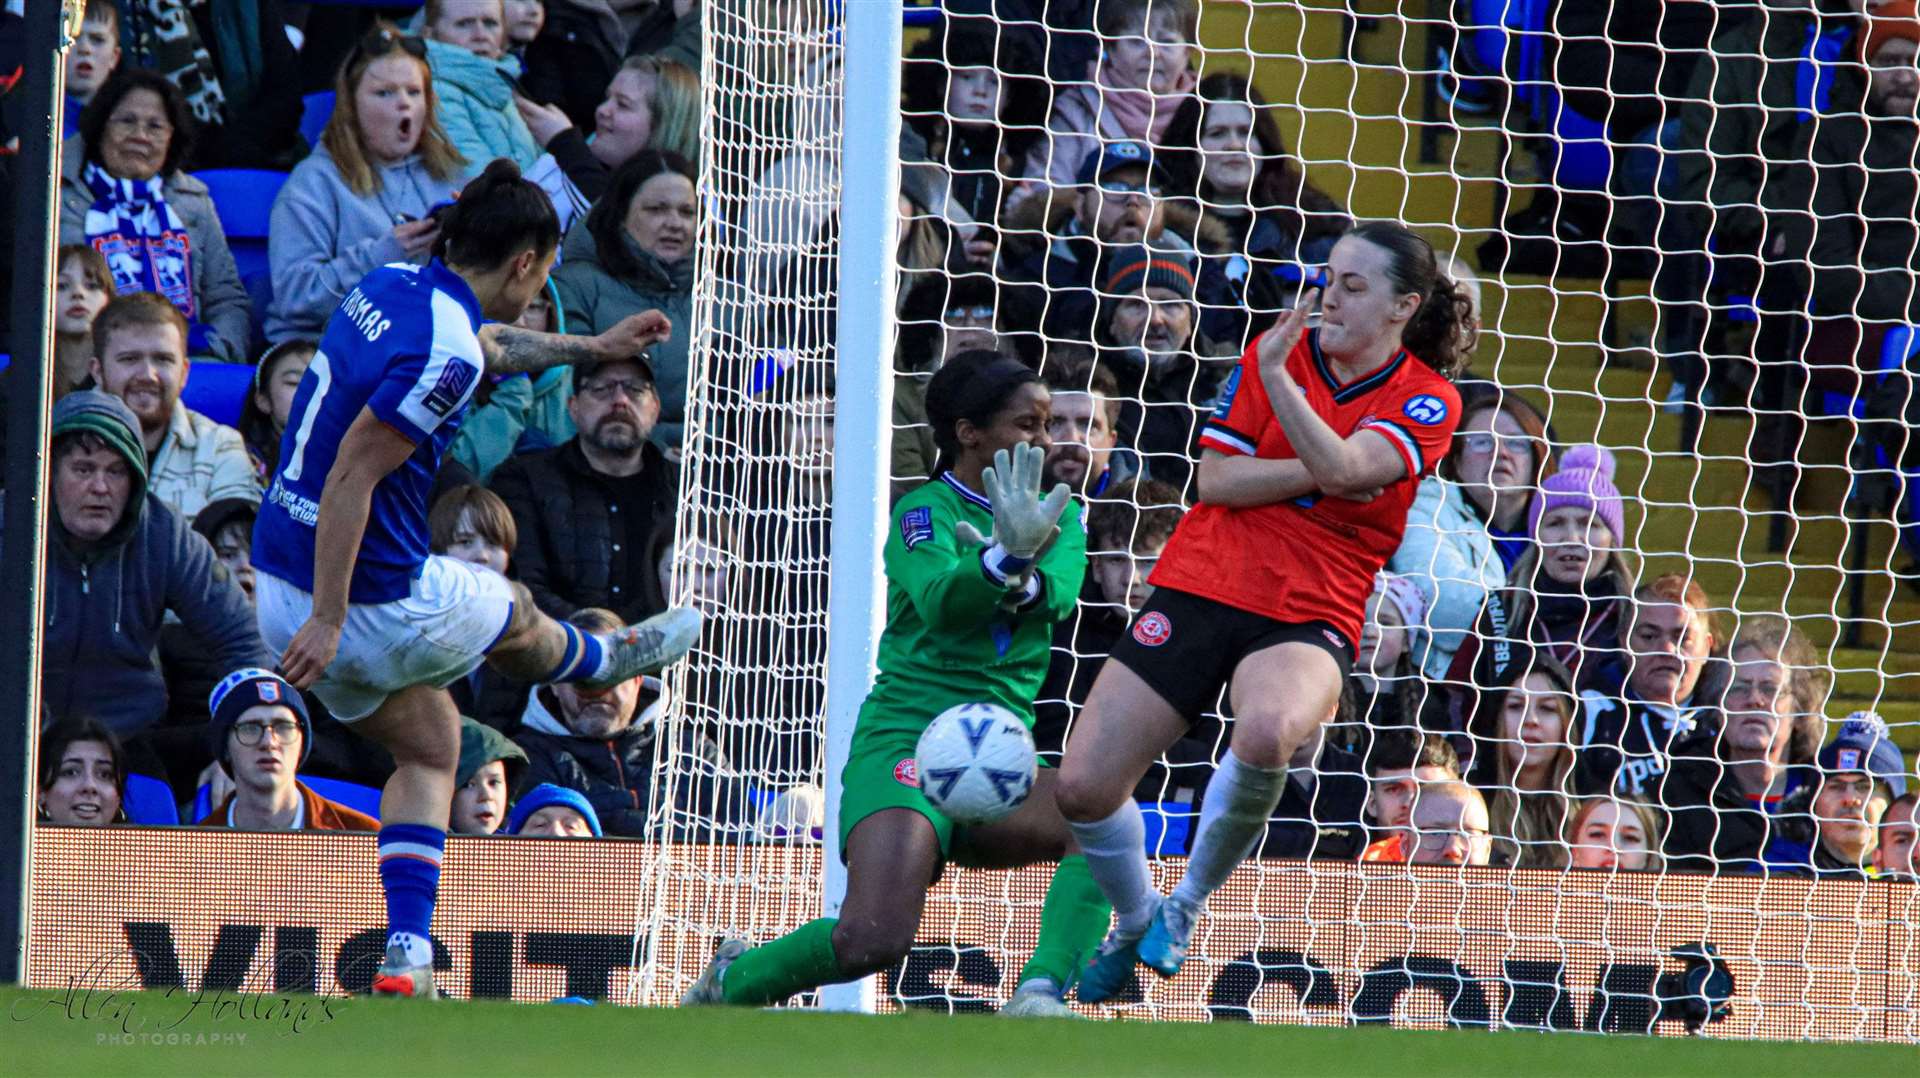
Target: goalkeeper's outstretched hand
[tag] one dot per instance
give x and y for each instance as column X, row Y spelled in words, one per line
column 1023, row 523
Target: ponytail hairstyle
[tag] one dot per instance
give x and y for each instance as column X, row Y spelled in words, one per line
column 1434, row 333
column 496, row 215
column 973, row 386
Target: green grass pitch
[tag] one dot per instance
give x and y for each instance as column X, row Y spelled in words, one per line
column 49, row 1034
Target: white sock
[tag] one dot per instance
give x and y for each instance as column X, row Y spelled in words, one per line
column 419, row 949
column 1116, row 853
column 1240, row 800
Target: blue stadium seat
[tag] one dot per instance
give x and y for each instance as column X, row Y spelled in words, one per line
column 150, row 801
column 217, row 390
column 316, row 109
column 351, row 794
column 1168, row 824
column 244, row 198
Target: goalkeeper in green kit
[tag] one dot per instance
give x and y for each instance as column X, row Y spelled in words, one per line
column 979, row 571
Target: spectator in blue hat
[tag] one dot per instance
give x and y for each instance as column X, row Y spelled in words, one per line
column 1833, row 832
column 1052, row 245
column 550, row 811
column 260, row 730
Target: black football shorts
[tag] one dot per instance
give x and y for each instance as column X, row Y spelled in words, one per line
column 1186, row 647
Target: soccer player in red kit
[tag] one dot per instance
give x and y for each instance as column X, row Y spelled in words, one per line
column 1308, row 465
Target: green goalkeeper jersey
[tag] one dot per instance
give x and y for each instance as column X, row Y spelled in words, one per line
column 950, row 637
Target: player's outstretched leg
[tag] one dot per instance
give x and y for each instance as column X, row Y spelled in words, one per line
column 538, row 649
column 891, row 859
column 1124, row 727
column 1281, row 695
column 421, row 727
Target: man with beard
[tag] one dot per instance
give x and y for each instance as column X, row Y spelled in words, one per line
column 602, row 744
column 589, row 511
column 140, row 356
column 1086, row 453
column 1147, row 334
column 1723, row 790
column 1627, row 735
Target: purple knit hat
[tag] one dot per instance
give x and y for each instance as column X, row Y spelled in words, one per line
column 1585, row 480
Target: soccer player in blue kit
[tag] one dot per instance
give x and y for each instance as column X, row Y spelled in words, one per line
column 351, row 601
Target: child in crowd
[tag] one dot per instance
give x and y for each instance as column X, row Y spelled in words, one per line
column 524, row 19
column 83, row 289
column 94, row 55
column 491, row 767
column 264, row 412
column 472, row 524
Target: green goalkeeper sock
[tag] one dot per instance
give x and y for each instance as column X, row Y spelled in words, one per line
column 1073, row 921
column 800, row 960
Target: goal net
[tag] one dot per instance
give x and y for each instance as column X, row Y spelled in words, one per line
column 1687, row 243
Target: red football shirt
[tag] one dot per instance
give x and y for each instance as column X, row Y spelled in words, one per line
column 1312, row 558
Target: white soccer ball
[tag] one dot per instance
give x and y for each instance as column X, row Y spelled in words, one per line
column 976, row 763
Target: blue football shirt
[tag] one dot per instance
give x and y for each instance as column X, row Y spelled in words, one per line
column 403, row 343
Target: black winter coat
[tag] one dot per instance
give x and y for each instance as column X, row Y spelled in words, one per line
column 1711, row 826
column 570, row 65
column 576, row 537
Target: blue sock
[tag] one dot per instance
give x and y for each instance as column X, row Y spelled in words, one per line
column 410, row 875
column 582, row 658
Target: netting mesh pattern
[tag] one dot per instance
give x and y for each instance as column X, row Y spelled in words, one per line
column 1675, row 226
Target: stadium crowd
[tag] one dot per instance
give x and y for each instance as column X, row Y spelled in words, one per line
column 1075, row 194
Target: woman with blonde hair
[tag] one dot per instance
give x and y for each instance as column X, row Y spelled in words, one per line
column 651, row 104
column 365, row 197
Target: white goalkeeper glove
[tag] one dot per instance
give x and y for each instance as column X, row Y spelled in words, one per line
column 1024, row 525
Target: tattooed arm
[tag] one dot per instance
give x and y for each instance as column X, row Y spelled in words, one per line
column 512, row 350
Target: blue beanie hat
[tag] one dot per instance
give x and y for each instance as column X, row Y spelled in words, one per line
column 546, row 795
column 1864, row 744
column 248, row 687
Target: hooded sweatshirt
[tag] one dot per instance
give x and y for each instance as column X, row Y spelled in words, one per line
column 616, row 773
column 324, row 238
column 106, row 601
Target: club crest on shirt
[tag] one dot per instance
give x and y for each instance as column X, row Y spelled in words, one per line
column 1153, row 629
column 916, row 526
column 907, row 772
column 1426, row 409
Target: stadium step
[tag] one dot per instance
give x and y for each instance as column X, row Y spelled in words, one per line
column 1355, row 125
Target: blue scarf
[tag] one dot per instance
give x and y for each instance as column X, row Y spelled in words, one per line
column 145, row 244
